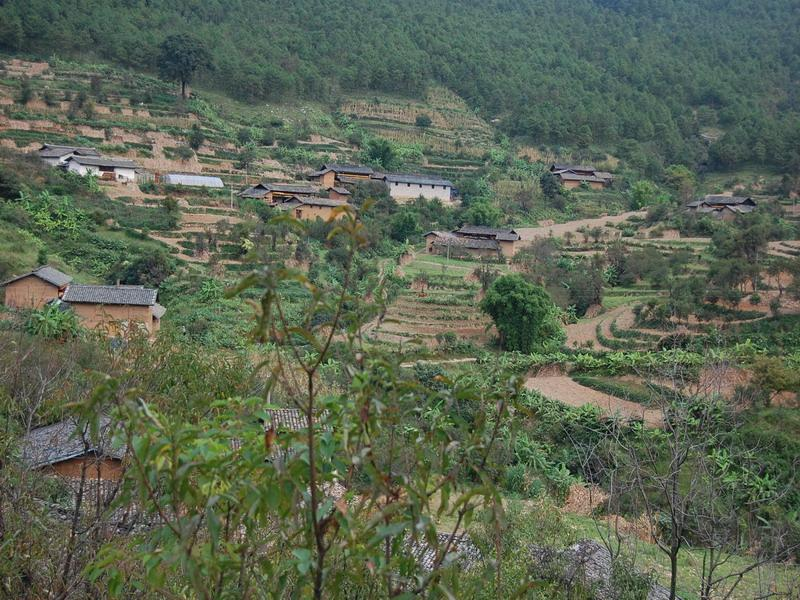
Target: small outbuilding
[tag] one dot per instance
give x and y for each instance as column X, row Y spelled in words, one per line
column 35, row 289
column 191, row 180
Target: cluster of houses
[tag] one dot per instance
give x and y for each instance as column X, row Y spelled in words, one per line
column 111, row 309
column 88, row 161
column 474, row 241
column 573, row 176
column 725, row 208
column 328, row 189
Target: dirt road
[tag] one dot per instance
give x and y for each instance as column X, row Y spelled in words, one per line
column 569, row 392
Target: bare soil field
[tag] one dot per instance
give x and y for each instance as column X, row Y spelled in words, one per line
column 569, row 392
column 529, row 234
column 578, row 334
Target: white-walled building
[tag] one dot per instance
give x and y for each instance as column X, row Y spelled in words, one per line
column 109, row 169
column 55, row 155
column 406, row 188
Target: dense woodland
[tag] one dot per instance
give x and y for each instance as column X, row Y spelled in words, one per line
column 642, row 78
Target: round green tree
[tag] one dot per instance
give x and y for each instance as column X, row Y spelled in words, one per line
column 524, row 313
column 180, row 56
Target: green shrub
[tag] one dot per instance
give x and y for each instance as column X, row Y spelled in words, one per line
column 52, row 322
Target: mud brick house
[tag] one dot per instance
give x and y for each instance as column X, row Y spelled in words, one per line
column 69, row 450
column 473, row 241
column 338, row 193
column 329, row 175
column 35, row 289
column 310, row 208
column 572, row 176
column 113, row 309
column 725, row 208
column 274, row 193
column 405, row 188
column 107, row 169
column 55, row 155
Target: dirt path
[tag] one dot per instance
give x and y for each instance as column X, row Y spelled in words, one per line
column 529, row 234
column 189, row 219
column 446, row 361
column 578, row 334
column 569, row 392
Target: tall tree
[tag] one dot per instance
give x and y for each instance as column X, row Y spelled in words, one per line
column 180, row 57
column 523, row 313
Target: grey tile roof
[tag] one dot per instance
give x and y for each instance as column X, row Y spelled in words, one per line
column 262, row 189
column 104, row 161
column 313, row 201
column 416, row 179
column 64, row 440
column 255, row 191
column 506, row 235
column 570, row 176
column 463, row 551
column 193, row 180
column 576, row 168
column 292, row 188
column 45, row 273
column 343, row 169
column 587, row 562
column 340, row 190
column 56, row 151
column 110, row 294
column 711, row 201
column 467, row 242
column 158, row 310
column 727, row 200
column 291, row 419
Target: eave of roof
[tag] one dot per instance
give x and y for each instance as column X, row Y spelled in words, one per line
column 314, row 201
column 416, row 179
column 101, row 161
column 56, row 151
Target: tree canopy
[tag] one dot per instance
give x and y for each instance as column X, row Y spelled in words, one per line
column 180, row 56
column 523, row 313
column 691, row 80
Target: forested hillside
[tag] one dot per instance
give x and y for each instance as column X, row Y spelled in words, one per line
column 691, row 81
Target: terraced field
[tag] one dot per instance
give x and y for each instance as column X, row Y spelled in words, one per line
column 442, row 296
column 454, row 129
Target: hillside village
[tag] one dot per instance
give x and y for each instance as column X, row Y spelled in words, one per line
column 194, row 291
